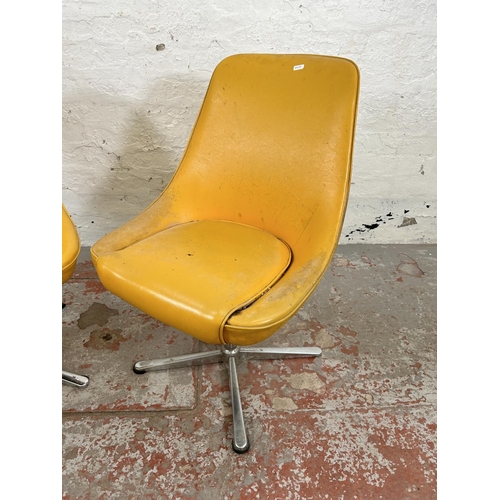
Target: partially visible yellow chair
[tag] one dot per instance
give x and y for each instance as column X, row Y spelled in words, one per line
column 248, row 225
column 70, row 252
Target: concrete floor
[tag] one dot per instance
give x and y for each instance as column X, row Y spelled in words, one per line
column 357, row 423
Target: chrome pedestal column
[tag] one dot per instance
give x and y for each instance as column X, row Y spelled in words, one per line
column 228, row 353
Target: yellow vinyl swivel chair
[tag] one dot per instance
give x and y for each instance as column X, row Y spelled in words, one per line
column 248, row 225
column 70, row 252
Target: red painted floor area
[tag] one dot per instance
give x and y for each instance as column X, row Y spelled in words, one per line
column 359, row 422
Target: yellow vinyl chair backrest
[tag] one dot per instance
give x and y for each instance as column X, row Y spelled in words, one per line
column 70, row 245
column 271, row 151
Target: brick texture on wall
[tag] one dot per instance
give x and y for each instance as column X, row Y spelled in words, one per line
column 135, row 73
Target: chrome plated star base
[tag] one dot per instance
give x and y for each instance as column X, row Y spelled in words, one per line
column 229, row 353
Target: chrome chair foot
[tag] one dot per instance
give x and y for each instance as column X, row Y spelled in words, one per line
column 228, row 353
column 240, row 439
column 194, row 359
column 280, row 352
column 80, row 381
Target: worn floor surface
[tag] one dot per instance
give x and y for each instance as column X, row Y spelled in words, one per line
column 357, row 423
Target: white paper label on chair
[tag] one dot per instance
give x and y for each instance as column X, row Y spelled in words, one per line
column 299, row 66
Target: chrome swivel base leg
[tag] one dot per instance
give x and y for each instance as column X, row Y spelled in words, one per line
column 230, row 353
column 80, row 381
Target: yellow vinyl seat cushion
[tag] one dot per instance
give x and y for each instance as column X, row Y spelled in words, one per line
column 194, row 276
column 70, row 245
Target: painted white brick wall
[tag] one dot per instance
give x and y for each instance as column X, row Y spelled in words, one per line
column 128, row 108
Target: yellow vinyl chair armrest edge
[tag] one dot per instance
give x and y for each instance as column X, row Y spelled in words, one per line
column 70, row 245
